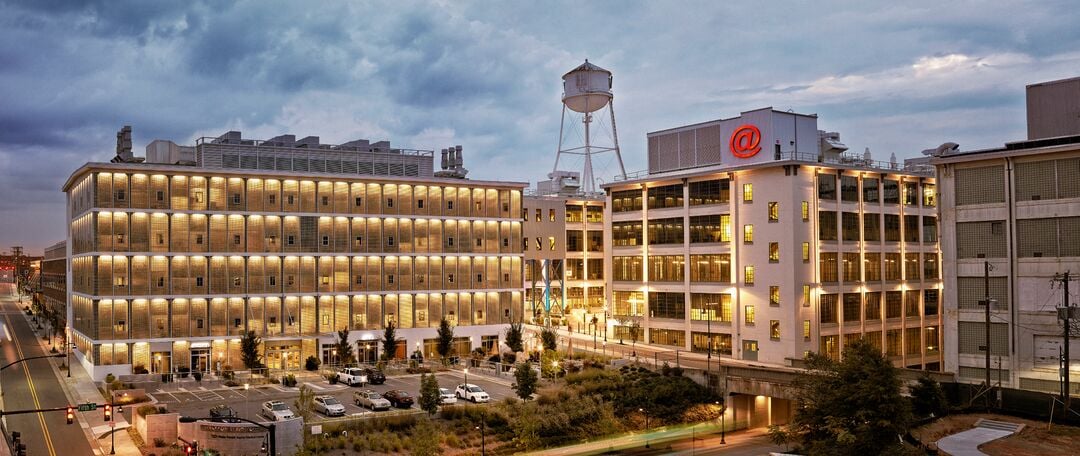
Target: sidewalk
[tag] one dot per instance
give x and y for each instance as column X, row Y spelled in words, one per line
column 660, row 441
column 80, row 389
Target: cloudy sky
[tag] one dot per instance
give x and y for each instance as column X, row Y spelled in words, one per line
column 896, row 78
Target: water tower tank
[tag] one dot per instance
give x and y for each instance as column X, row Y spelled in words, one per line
column 586, row 88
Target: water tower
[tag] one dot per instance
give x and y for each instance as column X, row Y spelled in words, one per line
column 587, row 90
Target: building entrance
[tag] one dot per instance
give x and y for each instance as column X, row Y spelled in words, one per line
column 283, row 357
column 200, row 360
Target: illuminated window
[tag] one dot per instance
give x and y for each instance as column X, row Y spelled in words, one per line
column 774, row 329
column 806, row 252
column 539, row 214
column 929, row 196
column 551, row 215
column 236, row 281
column 774, row 295
column 198, row 196
column 806, row 295
column 774, row 211
column 748, row 234
column 748, row 275
column 806, row 329
column 774, row 252
column 805, row 211
column 120, row 239
column 121, row 281
column 551, row 242
column 539, row 244
column 748, row 314
column 748, row 193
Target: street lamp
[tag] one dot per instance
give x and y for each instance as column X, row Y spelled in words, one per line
column 642, row 410
column 466, row 377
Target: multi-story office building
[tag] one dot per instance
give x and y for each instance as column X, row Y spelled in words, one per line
column 1016, row 208
column 564, row 259
column 54, row 280
column 171, row 263
column 761, row 231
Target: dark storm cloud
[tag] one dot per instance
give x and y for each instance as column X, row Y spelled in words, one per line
column 486, row 75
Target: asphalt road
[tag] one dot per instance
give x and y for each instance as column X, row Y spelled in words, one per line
column 197, row 401
column 33, row 385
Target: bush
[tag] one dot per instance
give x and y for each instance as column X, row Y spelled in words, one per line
column 139, row 369
column 289, row 380
column 147, row 410
column 159, row 442
column 311, row 363
column 110, row 378
column 331, row 378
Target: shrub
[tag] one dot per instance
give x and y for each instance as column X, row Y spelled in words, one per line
column 311, row 363
column 139, row 369
column 331, row 378
column 159, row 442
column 289, row 380
column 147, row 410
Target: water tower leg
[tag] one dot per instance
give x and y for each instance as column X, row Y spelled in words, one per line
column 558, row 151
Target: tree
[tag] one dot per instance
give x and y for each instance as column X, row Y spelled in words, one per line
column 425, row 438
column 305, row 402
column 344, row 349
column 389, row 341
column 429, row 393
column 635, row 333
column 311, row 363
column 445, row 340
column 927, row 397
column 548, row 338
column 249, row 351
column 515, row 337
column 525, row 381
column 852, row 406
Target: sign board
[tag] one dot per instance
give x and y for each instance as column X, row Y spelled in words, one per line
column 316, row 429
column 87, row 407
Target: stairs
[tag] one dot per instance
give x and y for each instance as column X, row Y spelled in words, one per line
column 999, row 425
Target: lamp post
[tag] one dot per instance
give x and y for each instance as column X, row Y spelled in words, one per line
column 466, row 377
column 483, row 436
column 646, row 412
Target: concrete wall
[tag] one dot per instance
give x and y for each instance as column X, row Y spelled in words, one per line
column 161, row 426
column 242, row 438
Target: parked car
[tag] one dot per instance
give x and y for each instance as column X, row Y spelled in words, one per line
column 223, row 413
column 371, row 400
column 352, row 376
column 276, row 411
column 446, row 396
column 375, row 376
column 471, row 393
column 329, row 406
column 399, row 398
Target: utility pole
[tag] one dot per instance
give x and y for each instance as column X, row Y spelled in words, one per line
column 1065, row 314
column 987, row 302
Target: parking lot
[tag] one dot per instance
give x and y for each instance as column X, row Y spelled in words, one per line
column 196, row 401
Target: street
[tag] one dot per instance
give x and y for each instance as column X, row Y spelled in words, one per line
column 33, row 385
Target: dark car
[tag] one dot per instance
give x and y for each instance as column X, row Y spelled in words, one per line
column 224, row 413
column 398, row 398
column 375, row 376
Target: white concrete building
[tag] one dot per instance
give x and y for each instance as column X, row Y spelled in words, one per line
column 761, row 230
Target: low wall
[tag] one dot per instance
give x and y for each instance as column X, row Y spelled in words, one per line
column 158, row 426
column 242, row 438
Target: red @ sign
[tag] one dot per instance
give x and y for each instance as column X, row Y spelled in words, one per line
column 746, row 141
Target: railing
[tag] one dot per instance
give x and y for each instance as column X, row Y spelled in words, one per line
column 842, row 160
column 261, row 144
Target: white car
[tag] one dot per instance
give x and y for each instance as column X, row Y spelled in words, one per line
column 446, row 396
column 329, row 406
column 352, row 376
column 471, row 393
column 276, row 411
column 370, row 399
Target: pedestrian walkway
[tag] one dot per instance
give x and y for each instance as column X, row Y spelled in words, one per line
column 81, row 389
column 663, row 438
column 967, row 443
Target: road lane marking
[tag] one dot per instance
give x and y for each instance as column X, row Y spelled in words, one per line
column 33, row 394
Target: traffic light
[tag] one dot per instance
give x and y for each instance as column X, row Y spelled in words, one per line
column 195, row 447
column 108, row 412
column 189, row 449
column 70, row 414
